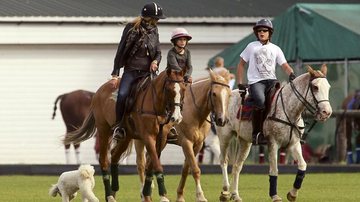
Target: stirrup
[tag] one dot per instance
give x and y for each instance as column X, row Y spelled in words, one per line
column 119, row 133
column 259, row 139
column 172, row 136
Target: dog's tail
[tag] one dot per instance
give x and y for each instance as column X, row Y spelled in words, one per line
column 54, row 190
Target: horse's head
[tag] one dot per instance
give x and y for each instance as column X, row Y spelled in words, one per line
column 319, row 88
column 219, row 95
column 174, row 87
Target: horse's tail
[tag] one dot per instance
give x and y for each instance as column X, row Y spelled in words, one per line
column 86, row 131
column 54, row 190
column 128, row 151
column 233, row 150
column 55, row 105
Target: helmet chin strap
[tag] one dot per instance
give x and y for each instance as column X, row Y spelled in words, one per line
column 179, row 49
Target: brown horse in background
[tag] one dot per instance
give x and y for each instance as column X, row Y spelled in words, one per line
column 156, row 104
column 350, row 124
column 204, row 98
column 74, row 107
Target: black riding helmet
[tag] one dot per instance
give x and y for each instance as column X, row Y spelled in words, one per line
column 153, row 10
column 263, row 23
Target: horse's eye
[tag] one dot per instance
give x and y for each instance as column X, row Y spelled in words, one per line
column 214, row 94
column 315, row 88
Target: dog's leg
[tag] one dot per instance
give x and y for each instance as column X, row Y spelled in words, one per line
column 86, row 190
column 65, row 197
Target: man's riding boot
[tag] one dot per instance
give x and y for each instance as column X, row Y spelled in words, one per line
column 258, row 137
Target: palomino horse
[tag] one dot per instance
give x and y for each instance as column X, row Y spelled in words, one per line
column 351, row 102
column 203, row 98
column 282, row 127
column 74, row 107
column 156, row 104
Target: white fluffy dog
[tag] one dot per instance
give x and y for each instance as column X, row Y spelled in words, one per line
column 72, row 181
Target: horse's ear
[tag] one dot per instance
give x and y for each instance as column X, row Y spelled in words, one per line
column 212, row 74
column 324, row 69
column 310, row 70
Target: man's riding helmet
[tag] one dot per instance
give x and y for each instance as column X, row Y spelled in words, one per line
column 263, row 23
column 153, row 10
column 180, row 32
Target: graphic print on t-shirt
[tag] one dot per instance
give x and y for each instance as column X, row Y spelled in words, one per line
column 264, row 61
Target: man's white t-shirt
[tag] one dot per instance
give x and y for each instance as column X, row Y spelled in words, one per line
column 262, row 60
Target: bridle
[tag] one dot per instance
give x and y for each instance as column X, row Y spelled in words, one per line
column 167, row 113
column 303, row 100
column 210, row 99
column 309, row 106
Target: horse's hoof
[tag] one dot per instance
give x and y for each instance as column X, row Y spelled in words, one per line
column 180, row 198
column 110, row 199
column 225, row 196
column 236, row 197
column 290, row 197
column 147, row 199
column 164, row 199
column 276, row 198
column 200, row 197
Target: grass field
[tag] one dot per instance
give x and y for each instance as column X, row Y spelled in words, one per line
column 253, row 188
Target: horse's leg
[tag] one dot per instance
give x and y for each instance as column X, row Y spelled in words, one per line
column 180, row 190
column 273, row 173
column 236, row 169
column 349, row 153
column 121, row 147
column 358, row 149
column 297, row 155
column 140, row 163
column 104, row 135
column 261, row 154
column 224, row 137
column 77, row 153
column 156, row 166
column 195, row 167
column 67, row 153
column 190, row 152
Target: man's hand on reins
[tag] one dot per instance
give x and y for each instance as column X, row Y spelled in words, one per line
column 242, row 90
column 292, row 76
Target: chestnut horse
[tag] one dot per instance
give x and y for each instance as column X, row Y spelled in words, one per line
column 156, row 104
column 74, row 107
column 283, row 127
column 203, row 99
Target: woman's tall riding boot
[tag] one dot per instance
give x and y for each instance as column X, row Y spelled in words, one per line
column 257, row 123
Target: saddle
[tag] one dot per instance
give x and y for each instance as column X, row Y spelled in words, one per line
column 140, row 86
column 248, row 105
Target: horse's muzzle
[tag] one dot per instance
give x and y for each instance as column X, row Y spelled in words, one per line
column 221, row 121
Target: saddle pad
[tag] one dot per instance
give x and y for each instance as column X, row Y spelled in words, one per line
column 246, row 109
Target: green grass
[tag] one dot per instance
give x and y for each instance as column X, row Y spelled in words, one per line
column 253, row 188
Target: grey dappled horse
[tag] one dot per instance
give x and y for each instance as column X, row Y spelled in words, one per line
column 283, row 128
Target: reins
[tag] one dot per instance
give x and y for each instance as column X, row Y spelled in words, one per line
column 155, row 112
column 303, row 100
column 207, row 101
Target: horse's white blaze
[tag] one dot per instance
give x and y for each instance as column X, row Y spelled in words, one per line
column 177, row 112
column 224, row 97
column 325, row 109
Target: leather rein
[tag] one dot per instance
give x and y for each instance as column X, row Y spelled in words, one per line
column 166, row 112
column 209, row 98
column 303, row 100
